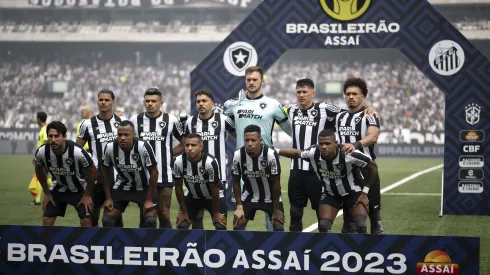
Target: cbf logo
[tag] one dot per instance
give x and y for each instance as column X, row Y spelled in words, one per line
column 238, row 57
column 345, row 10
column 472, row 113
column 446, row 57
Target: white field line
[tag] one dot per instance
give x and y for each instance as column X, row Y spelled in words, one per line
column 413, row 194
column 386, row 189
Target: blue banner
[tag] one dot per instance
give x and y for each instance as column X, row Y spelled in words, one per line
column 64, row 250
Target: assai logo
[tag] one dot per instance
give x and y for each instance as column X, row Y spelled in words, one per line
column 345, row 10
column 471, row 174
column 446, row 57
column 472, row 187
column 471, row 161
column 472, row 148
column 472, row 135
column 472, row 112
column 238, row 57
column 437, row 262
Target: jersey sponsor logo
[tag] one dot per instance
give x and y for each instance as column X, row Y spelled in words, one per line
column 239, row 56
column 151, row 136
column 69, row 161
column 206, row 136
column 348, row 131
column 446, row 57
column 248, row 114
column 299, row 119
column 106, row 137
column 471, row 187
column 472, row 112
column 84, row 162
column 129, row 168
column 162, row 124
column 61, row 171
column 437, row 262
column 193, row 179
column 211, row 175
column 255, row 174
column 345, row 12
column 331, row 174
column 273, row 165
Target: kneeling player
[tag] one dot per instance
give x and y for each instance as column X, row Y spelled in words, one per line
column 68, row 163
column 201, row 175
column 137, row 178
column 258, row 165
column 340, row 185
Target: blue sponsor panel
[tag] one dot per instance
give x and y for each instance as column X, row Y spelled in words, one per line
column 64, row 250
column 415, row 28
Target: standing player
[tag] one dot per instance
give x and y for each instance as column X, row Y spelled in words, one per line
column 212, row 128
column 307, row 120
column 341, row 185
column 74, row 173
column 158, row 129
column 137, row 177
column 258, row 165
column 201, row 174
column 34, row 186
column 259, row 110
column 358, row 131
column 97, row 132
column 85, row 113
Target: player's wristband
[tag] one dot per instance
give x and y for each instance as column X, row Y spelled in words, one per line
column 358, row 145
column 365, row 189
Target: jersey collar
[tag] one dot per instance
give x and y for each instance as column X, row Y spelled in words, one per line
column 259, row 97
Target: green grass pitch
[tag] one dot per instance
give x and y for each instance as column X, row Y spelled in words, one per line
column 402, row 214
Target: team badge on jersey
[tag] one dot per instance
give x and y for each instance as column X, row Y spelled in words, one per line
column 136, row 157
column 357, row 119
column 202, row 170
column 116, row 124
column 340, row 166
column 162, row 124
column 214, row 124
column 69, row 161
column 263, row 163
column 263, row 105
column 314, row 113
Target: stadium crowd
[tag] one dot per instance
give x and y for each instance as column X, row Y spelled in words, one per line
column 402, row 94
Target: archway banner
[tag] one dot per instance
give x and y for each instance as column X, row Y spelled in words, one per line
column 416, row 29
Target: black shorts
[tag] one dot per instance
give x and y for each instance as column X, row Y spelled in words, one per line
column 304, row 186
column 122, row 198
column 165, row 184
column 249, row 208
column 62, row 199
column 98, row 195
column 194, row 205
column 340, row 201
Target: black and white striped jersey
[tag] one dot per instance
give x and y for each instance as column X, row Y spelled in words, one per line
column 352, row 127
column 98, row 133
column 69, row 170
column 158, row 132
column 213, row 133
column 257, row 173
column 199, row 176
column 307, row 124
column 132, row 166
column 337, row 175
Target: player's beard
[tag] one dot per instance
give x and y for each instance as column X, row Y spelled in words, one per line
column 254, row 90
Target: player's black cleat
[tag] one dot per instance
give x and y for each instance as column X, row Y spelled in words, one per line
column 377, row 228
column 35, row 203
